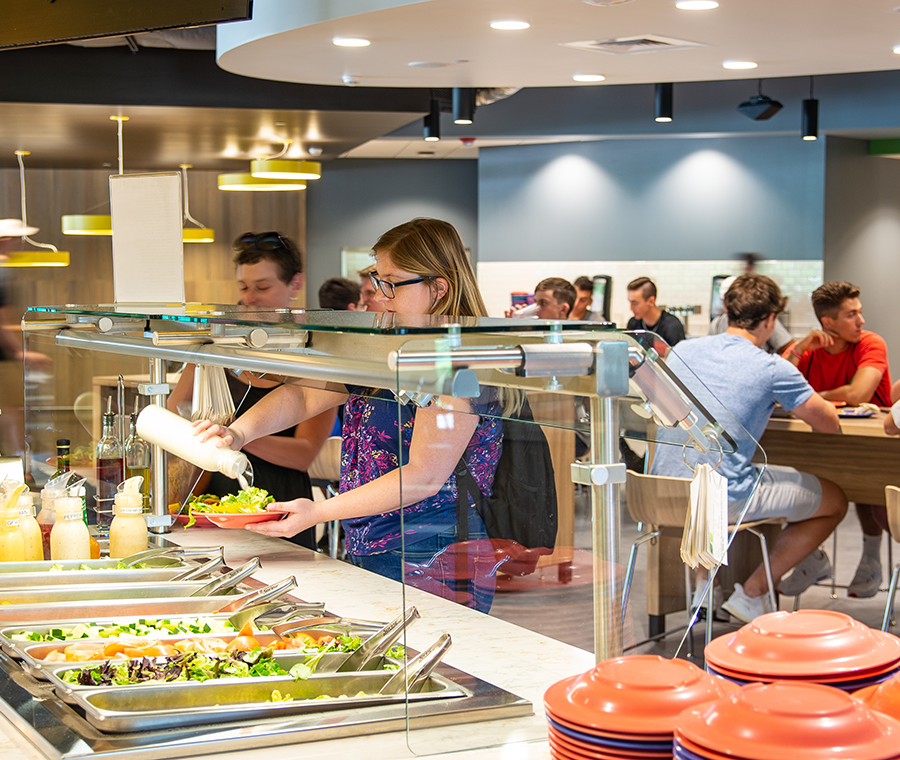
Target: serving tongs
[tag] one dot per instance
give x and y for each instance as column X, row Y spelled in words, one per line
column 419, row 668
column 228, row 580
column 374, row 646
column 286, row 628
column 290, row 611
column 201, row 570
column 272, row 591
column 178, row 551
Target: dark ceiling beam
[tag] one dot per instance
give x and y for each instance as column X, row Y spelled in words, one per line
column 169, row 77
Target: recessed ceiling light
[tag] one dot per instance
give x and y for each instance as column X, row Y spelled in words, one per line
column 897, row 49
column 427, row 64
column 696, row 5
column 351, row 42
column 588, row 77
column 738, row 65
column 510, row 26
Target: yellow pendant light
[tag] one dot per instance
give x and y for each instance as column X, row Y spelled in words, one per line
column 246, row 182
column 94, row 224
column 274, row 168
column 51, row 256
column 200, row 233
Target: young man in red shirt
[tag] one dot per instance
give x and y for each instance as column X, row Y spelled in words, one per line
column 843, row 362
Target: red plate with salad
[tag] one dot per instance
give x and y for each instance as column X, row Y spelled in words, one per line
column 231, row 511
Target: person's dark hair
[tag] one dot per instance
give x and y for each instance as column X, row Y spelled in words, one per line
column 828, row 297
column 253, row 247
column 584, row 283
column 645, row 285
column 338, row 293
column 751, row 299
column 563, row 290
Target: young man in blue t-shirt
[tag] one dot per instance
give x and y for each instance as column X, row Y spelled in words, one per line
column 733, row 376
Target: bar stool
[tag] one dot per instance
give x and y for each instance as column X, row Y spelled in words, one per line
column 892, row 502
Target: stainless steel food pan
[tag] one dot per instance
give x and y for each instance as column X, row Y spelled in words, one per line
column 132, row 709
column 51, row 595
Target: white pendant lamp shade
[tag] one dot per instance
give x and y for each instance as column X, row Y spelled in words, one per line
column 246, row 182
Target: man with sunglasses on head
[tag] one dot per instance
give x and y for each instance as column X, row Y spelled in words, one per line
column 269, row 273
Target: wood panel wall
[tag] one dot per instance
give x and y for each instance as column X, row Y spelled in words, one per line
column 209, row 273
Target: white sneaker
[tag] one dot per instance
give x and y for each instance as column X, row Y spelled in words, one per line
column 746, row 608
column 867, row 579
column 816, row 567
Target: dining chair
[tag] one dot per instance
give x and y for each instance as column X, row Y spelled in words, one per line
column 663, row 502
column 325, row 473
column 892, row 502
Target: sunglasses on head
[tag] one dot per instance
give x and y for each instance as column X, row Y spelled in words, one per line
column 262, row 241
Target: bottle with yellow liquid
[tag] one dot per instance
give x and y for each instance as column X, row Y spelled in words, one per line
column 12, row 542
column 69, row 538
column 31, row 531
column 128, row 531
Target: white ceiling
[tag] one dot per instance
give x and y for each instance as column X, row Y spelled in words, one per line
column 286, row 42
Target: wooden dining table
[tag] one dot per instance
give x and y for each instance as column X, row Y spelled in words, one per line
column 862, row 460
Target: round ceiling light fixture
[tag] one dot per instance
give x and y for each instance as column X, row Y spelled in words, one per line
column 274, row 168
column 696, row 5
column 738, row 65
column 588, row 77
column 510, row 25
column 351, row 42
column 427, row 64
column 897, row 49
column 248, row 183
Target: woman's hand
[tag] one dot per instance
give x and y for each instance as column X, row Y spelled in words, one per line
column 225, row 436
column 300, row 515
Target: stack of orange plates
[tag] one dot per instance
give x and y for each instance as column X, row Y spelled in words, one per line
column 883, row 698
column 786, row 721
column 626, row 707
column 818, row 646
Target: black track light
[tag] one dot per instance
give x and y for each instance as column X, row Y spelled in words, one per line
column 809, row 116
column 432, row 122
column 663, row 103
column 463, row 105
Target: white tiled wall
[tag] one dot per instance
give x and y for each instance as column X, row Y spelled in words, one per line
column 679, row 283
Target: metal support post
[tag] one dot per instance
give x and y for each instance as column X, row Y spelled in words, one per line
column 606, row 531
column 159, row 488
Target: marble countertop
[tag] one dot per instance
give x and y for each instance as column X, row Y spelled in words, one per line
column 515, row 659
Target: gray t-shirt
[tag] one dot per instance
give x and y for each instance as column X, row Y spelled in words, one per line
column 780, row 335
column 727, row 370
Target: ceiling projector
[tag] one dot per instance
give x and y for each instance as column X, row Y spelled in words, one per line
column 760, row 107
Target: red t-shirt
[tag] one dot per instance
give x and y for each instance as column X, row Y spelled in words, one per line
column 826, row 371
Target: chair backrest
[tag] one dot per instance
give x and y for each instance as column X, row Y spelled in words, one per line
column 657, row 500
column 892, row 501
column 327, row 464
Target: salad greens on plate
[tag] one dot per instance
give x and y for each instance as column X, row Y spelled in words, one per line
column 249, row 501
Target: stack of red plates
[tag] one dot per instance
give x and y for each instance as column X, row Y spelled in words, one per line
column 626, row 707
column 818, row 646
column 786, row 721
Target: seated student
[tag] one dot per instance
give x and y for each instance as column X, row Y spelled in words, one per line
column 340, row 294
column 554, row 298
column 584, row 297
column 648, row 316
column 748, row 382
column 843, row 362
column 781, row 339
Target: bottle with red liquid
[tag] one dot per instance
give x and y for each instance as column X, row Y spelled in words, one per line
column 110, row 472
column 55, row 489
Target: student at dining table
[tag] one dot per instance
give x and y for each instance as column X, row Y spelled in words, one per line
column 845, row 363
column 421, row 268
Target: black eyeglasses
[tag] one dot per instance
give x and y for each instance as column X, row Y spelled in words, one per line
column 263, row 241
column 388, row 287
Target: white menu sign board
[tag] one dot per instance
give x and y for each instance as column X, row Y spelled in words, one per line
column 148, row 252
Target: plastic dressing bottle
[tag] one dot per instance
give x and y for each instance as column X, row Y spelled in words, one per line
column 12, row 542
column 31, row 531
column 55, row 489
column 128, row 532
column 176, row 435
column 69, row 538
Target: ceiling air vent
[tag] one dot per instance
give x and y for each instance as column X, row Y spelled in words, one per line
column 642, row 43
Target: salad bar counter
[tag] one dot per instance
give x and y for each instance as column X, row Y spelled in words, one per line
column 177, row 684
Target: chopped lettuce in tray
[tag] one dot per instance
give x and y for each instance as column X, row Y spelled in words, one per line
column 140, row 628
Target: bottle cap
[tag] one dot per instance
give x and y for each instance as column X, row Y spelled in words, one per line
column 63, row 442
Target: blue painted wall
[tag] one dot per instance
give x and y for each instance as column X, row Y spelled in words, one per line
column 357, row 200
column 663, row 199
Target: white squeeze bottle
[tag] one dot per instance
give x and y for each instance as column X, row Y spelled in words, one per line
column 176, row 435
column 69, row 538
column 31, row 531
column 12, row 541
column 128, row 531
